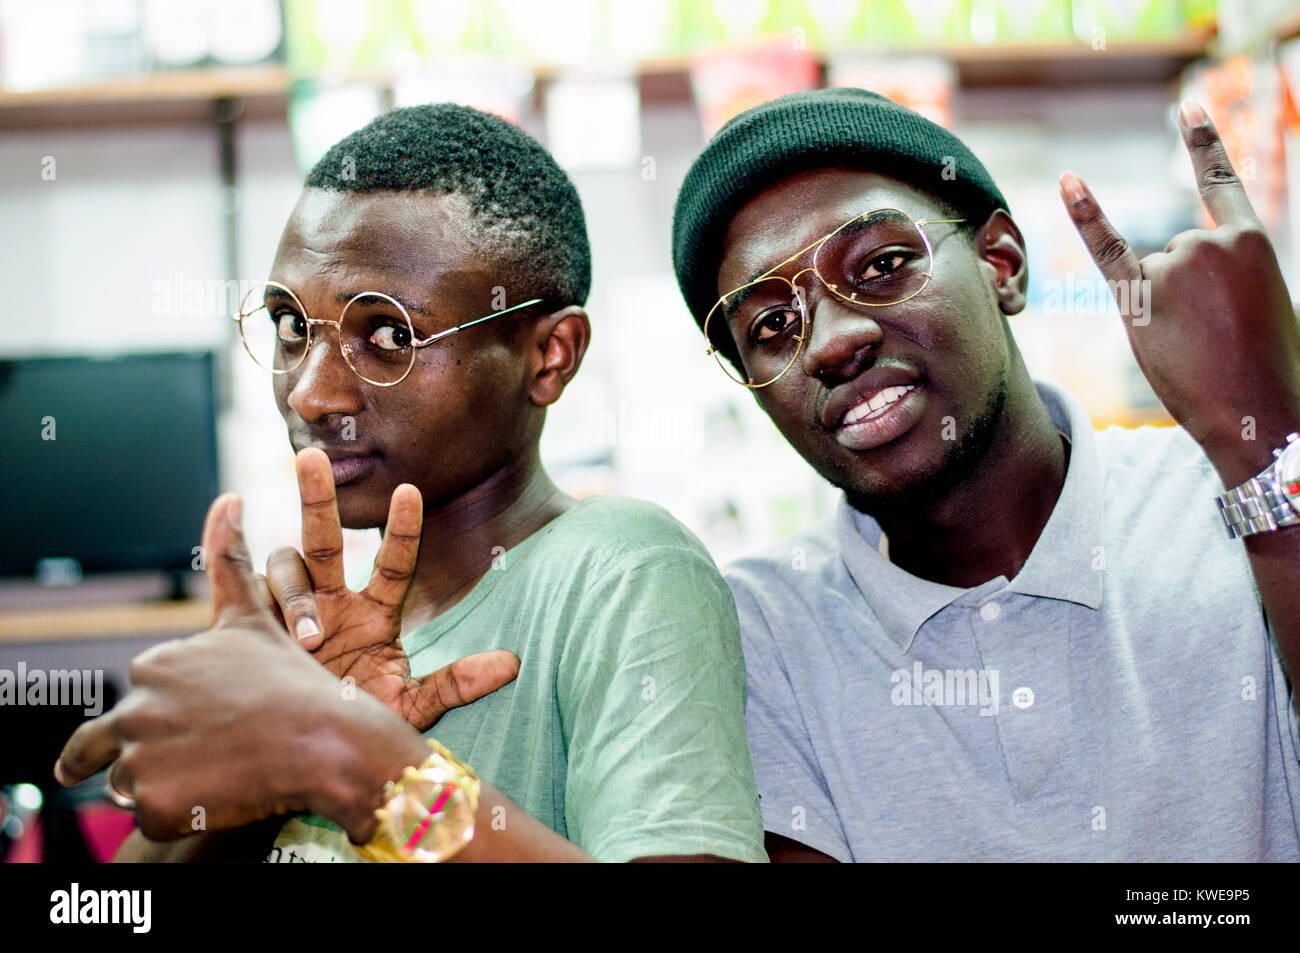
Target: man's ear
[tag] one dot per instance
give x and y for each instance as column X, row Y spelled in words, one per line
column 559, row 342
column 1002, row 251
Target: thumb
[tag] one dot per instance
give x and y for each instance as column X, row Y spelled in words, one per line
column 236, row 593
column 463, row 681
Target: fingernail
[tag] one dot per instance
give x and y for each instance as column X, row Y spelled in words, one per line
column 306, row 628
column 58, row 773
column 235, row 512
column 1072, row 187
column 1191, row 113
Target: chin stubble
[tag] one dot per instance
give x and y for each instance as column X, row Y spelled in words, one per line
column 958, row 463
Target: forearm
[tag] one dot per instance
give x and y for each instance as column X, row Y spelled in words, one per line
column 506, row 833
column 1275, row 562
column 1274, row 556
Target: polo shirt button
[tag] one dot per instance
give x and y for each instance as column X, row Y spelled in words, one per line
column 1022, row 697
column 990, row 611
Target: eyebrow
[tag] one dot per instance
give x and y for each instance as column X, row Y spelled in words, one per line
column 344, row 297
column 736, row 299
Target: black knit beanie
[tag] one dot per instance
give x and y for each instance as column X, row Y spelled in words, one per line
column 807, row 130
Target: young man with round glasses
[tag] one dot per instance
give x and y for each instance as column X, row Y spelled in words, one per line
column 423, row 311
column 1017, row 638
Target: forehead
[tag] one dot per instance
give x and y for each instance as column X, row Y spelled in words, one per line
column 414, row 241
column 796, row 211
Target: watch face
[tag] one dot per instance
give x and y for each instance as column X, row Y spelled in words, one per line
column 1288, row 472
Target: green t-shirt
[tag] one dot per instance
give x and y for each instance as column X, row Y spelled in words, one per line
column 624, row 731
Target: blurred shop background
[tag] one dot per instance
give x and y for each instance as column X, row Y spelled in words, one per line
column 151, row 150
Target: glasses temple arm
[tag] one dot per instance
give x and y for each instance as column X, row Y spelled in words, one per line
column 469, row 324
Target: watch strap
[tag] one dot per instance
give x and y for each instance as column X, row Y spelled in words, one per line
column 1257, row 506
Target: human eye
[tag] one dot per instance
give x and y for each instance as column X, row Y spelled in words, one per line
column 773, row 324
column 883, row 264
column 290, row 326
column 391, row 337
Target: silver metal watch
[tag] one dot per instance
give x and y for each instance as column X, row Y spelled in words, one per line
column 1270, row 500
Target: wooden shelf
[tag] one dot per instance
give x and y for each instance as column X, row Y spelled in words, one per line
column 164, row 97
column 262, row 92
column 1066, row 64
column 80, row 623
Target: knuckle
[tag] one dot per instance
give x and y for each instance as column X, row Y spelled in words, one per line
column 236, row 555
column 394, row 574
column 1111, row 249
column 1249, row 241
column 1218, row 175
column 152, row 662
column 453, row 694
column 323, row 554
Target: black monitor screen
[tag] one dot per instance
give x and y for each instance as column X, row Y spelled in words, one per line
column 110, row 462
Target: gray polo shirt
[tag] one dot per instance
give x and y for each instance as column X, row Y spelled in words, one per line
column 1120, row 699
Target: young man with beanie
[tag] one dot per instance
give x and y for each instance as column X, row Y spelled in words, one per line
column 1016, row 638
column 424, row 309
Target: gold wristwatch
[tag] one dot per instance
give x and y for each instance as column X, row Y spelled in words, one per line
column 428, row 813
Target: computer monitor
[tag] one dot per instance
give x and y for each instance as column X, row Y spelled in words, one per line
column 106, row 465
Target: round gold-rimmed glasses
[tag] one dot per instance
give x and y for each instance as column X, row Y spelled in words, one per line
column 375, row 332
column 879, row 258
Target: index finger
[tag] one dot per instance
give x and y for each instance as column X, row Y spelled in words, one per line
column 1221, row 190
column 92, row 746
column 1113, row 255
column 322, row 534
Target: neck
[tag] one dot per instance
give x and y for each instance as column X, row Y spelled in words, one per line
column 464, row 535
column 988, row 524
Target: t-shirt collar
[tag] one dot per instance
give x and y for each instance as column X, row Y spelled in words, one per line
column 1064, row 564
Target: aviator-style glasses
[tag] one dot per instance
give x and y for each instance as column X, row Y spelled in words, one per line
column 875, row 259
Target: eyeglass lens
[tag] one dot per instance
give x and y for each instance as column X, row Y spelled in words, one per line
column 375, row 335
column 876, row 259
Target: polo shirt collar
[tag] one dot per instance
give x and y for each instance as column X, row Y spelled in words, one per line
column 1060, row 566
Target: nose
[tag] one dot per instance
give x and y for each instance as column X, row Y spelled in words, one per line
column 840, row 338
column 323, row 383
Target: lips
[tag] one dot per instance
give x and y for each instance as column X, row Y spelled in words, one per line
column 347, row 464
column 874, row 408
column 349, row 469
column 896, row 411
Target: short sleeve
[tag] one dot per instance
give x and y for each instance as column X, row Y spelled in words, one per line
column 792, row 792
column 651, row 690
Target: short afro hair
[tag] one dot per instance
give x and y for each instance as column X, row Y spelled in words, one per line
column 530, row 213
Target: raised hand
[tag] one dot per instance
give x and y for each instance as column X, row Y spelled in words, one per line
column 237, row 724
column 1209, row 318
column 358, row 634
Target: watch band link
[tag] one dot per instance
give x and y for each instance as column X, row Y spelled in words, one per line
column 1255, row 507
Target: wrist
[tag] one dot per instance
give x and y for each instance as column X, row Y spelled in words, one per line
column 357, row 752
column 1244, row 454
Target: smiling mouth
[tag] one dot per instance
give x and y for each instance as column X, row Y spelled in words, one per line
column 881, row 417
column 876, row 405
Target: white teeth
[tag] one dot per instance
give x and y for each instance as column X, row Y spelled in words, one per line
column 877, row 403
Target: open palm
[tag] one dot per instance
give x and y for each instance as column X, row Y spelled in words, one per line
column 359, row 633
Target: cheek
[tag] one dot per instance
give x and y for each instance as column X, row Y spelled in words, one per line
column 792, row 406
column 452, row 404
